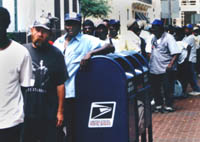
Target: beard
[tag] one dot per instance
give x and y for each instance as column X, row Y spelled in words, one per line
column 40, row 44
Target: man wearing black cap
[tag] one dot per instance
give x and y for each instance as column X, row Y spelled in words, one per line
column 16, row 71
column 77, row 48
column 44, row 101
column 162, row 65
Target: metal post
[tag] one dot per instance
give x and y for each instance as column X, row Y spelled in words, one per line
column 170, row 13
column 16, row 23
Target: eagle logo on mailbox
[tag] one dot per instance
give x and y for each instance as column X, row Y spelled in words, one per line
column 101, row 114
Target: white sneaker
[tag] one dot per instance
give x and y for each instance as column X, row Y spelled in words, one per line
column 194, row 93
column 152, row 102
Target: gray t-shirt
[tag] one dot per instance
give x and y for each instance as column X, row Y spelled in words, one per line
column 162, row 51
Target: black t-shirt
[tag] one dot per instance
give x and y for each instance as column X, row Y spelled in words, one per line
column 49, row 71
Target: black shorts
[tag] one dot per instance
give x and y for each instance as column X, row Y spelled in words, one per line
column 42, row 130
column 10, row 134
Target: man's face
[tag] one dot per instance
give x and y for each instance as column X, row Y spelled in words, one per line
column 3, row 29
column 157, row 31
column 39, row 36
column 72, row 28
column 101, row 32
column 113, row 31
column 88, row 30
column 188, row 31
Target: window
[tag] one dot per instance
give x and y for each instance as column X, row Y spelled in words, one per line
column 127, row 14
column 74, row 5
column 66, row 6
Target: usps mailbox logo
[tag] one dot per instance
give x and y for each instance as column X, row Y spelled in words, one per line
column 102, row 114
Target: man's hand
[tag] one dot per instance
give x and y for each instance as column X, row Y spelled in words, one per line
column 169, row 68
column 60, row 119
column 85, row 61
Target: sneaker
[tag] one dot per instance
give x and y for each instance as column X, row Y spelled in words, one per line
column 152, row 102
column 169, row 109
column 194, row 93
column 158, row 109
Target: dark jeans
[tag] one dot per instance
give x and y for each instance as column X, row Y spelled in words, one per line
column 42, row 130
column 69, row 117
column 186, row 72
column 166, row 81
column 10, row 134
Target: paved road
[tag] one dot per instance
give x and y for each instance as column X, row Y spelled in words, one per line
column 180, row 126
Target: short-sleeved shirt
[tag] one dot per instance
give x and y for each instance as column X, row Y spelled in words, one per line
column 163, row 50
column 183, row 46
column 76, row 49
column 130, row 41
column 190, row 40
column 49, row 71
column 16, row 71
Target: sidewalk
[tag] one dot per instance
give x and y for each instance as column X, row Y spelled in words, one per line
column 180, row 126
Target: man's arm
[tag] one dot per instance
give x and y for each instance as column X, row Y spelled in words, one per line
column 170, row 65
column 61, row 94
column 107, row 48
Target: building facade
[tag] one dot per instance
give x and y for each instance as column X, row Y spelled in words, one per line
column 24, row 12
column 130, row 9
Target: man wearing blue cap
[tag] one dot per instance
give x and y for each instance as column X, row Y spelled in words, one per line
column 192, row 51
column 114, row 38
column 162, row 64
column 77, row 48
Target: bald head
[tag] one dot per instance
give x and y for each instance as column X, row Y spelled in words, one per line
column 4, row 18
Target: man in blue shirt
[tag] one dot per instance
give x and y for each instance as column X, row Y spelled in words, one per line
column 77, row 48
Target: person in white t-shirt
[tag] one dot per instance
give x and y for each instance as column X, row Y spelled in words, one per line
column 16, row 71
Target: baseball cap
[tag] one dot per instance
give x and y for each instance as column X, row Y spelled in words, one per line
column 43, row 22
column 157, row 22
column 130, row 23
column 189, row 26
column 114, row 22
column 73, row 17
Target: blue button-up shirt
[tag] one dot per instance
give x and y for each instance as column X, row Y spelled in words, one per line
column 76, row 49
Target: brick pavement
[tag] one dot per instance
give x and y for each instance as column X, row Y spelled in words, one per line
column 180, row 126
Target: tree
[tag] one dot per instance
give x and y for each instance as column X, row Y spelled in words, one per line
column 94, row 8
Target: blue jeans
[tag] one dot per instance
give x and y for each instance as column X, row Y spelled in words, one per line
column 189, row 76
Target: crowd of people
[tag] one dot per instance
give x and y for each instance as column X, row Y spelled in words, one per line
column 37, row 87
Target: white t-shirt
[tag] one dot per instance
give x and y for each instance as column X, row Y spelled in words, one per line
column 16, row 71
column 183, row 46
column 190, row 40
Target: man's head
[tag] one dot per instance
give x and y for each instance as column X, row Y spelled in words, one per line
column 114, row 26
column 188, row 29
column 72, row 24
column 196, row 30
column 40, row 32
column 157, row 28
column 134, row 26
column 4, row 22
column 101, row 31
column 88, row 27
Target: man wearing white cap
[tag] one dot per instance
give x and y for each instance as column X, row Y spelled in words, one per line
column 44, row 101
column 77, row 48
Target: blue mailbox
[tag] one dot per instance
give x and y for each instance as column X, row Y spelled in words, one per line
column 106, row 93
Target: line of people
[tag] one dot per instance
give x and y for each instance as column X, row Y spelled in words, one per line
column 45, row 73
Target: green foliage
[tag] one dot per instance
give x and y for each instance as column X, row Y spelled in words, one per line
column 94, row 8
